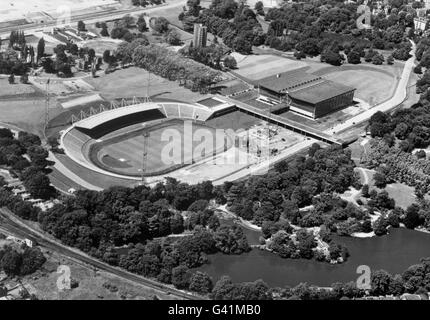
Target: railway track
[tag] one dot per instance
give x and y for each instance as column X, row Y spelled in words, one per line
column 13, row 225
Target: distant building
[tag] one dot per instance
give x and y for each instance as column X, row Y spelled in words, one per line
column 307, row 94
column 421, row 23
column 200, row 35
column 426, row 4
column 26, row 241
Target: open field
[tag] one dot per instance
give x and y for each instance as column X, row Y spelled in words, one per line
column 256, row 67
column 100, row 45
column 403, row 194
column 93, row 285
column 384, row 78
column 26, row 114
column 171, row 14
column 372, row 86
column 133, row 82
column 124, row 154
column 17, row 88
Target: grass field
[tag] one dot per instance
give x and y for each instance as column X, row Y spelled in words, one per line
column 18, row 88
column 403, row 194
column 256, row 67
column 26, row 114
column 124, row 156
column 133, row 82
column 372, row 86
column 93, row 285
column 100, row 45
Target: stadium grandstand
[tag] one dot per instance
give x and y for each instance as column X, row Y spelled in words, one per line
column 91, row 129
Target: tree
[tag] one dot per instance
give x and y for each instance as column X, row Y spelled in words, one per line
column 193, row 8
column 198, row 205
column 370, row 54
column 81, row 26
column 106, row 56
column 38, row 185
column 353, row 57
column 11, row 262
column 160, row 25
column 32, row 260
column 259, row 7
column 418, row 69
column 390, row 59
column 412, row 218
column 331, row 57
column 40, row 48
column 365, row 191
column 24, row 78
column 224, row 289
column 201, row 282
column 230, row 62
column 380, row 226
column 28, row 139
column 104, row 32
column 378, row 59
column 173, row 38
column 380, row 283
column 128, row 21
column 141, row 23
column 380, row 179
column 181, row 277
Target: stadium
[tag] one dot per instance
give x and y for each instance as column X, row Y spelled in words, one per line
column 127, row 141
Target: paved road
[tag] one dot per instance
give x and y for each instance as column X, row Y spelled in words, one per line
column 398, row 97
column 14, row 225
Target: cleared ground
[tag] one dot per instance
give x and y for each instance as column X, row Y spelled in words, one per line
column 100, row 45
column 168, row 147
column 93, row 285
column 256, row 67
column 26, row 114
column 18, row 88
column 403, row 194
column 133, row 82
column 372, row 86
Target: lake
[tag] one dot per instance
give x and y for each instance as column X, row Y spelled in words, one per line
column 393, row 252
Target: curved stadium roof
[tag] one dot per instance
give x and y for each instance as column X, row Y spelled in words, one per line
column 105, row 116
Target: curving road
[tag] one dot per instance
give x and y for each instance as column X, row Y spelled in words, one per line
column 14, row 225
column 398, row 97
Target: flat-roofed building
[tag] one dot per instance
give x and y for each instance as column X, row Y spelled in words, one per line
column 307, row 94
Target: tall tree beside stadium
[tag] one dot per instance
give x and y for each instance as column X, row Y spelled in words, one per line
column 40, row 48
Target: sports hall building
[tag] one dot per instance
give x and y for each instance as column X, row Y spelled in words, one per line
column 307, row 94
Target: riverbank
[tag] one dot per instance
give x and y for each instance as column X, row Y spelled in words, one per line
column 226, row 214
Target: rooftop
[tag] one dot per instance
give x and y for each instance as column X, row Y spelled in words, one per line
column 288, row 80
column 320, row 91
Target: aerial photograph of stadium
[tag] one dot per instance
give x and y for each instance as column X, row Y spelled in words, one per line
column 211, row 150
